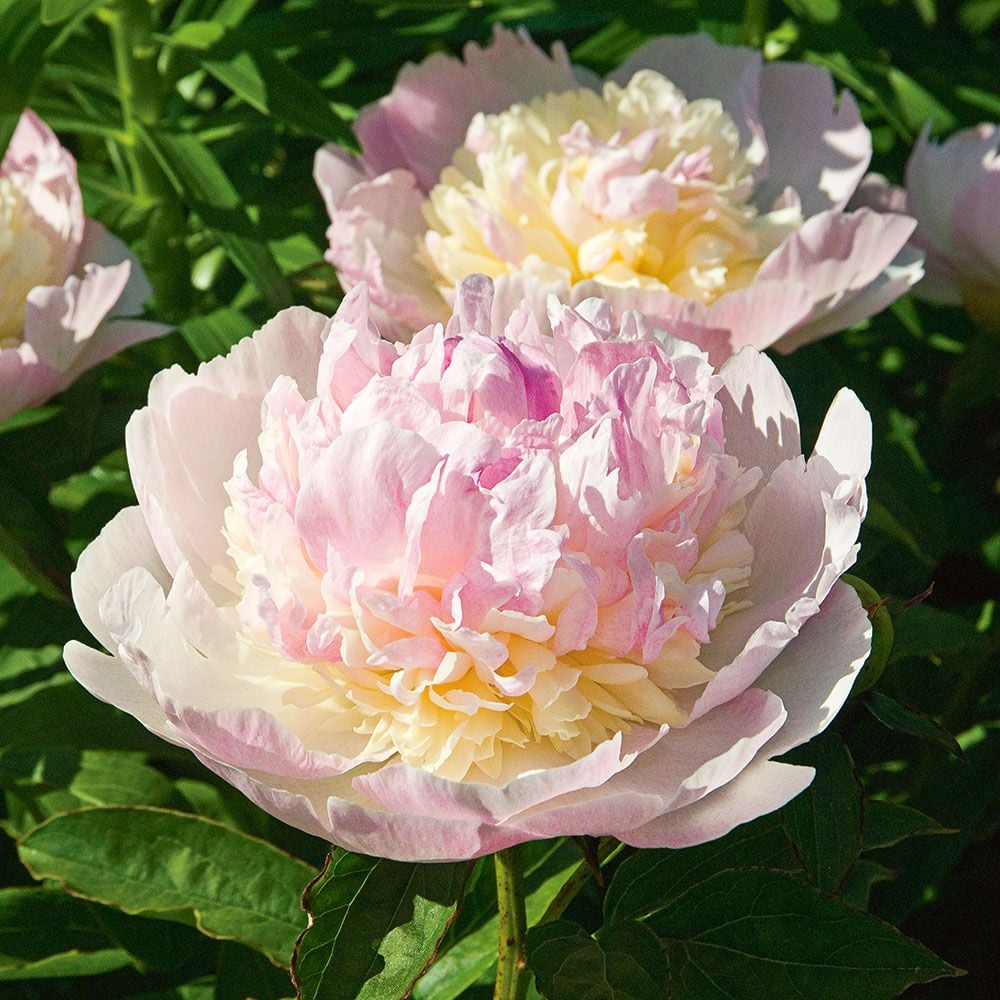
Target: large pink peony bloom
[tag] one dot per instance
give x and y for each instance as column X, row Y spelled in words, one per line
column 697, row 184
column 431, row 601
column 953, row 190
column 65, row 281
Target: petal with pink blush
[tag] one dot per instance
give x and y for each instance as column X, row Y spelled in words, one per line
column 406, row 789
column 857, row 305
column 953, row 191
column 683, row 767
column 124, row 542
column 788, row 583
column 373, row 238
column 65, row 278
column 424, row 120
column 814, row 675
column 335, row 171
column 24, row 380
column 761, row 788
column 837, row 253
column 974, row 230
column 46, row 172
column 253, row 740
column 355, row 498
column 59, row 320
column 105, row 678
column 817, row 150
column 761, row 421
column 195, row 426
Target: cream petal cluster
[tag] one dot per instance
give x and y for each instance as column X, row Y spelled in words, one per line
column 429, row 601
column 65, row 282
column 697, row 185
column 953, row 191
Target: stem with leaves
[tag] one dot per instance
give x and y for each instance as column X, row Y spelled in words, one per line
column 512, row 967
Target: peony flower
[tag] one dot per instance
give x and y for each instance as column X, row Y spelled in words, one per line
column 953, row 190
column 65, row 281
column 696, row 184
column 430, row 601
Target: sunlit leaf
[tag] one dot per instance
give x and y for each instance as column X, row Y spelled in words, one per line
column 144, row 860
column 374, row 926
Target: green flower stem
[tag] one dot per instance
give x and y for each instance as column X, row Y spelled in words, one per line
column 755, row 22
column 512, row 968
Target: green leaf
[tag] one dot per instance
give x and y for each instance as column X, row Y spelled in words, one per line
column 57, row 11
column 647, row 880
column 243, row 973
column 888, row 823
column 374, row 927
column 274, row 89
column 214, row 334
column 195, row 173
column 898, row 717
column 144, row 860
column 925, row 630
column 45, row 934
column 222, row 803
column 978, row 16
column 625, row 963
column 58, row 712
column 787, row 939
column 37, row 571
column 42, row 783
column 857, row 885
column 821, row 11
column 917, row 105
column 197, row 35
column 248, row 67
column 824, row 822
column 883, row 633
column 23, row 40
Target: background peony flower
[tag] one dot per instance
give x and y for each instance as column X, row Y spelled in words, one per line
column 953, row 190
column 65, row 281
column 430, row 601
column 697, row 184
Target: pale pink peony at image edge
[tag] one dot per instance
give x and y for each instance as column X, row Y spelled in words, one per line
column 428, row 602
column 952, row 188
column 67, row 285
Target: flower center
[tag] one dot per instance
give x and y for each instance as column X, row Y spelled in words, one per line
column 638, row 187
column 26, row 260
column 450, row 648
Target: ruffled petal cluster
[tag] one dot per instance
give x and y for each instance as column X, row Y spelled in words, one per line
column 697, row 185
column 65, row 282
column 430, row 601
column 953, row 191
